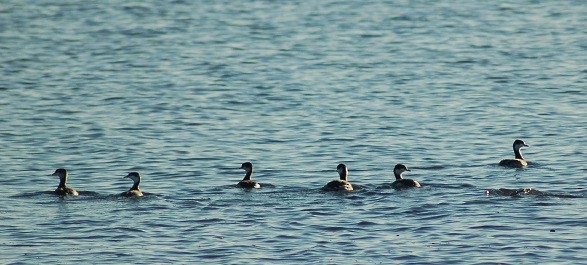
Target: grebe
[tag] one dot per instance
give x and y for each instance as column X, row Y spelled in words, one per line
column 339, row 184
column 134, row 191
column 247, row 182
column 518, row 161
column 62, row 189
column 400, row 182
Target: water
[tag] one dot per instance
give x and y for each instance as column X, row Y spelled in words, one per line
column 185, row 91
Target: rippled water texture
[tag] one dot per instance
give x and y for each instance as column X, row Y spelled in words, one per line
column 185, row 91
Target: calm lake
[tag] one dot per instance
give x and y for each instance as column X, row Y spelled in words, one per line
column 183, row 92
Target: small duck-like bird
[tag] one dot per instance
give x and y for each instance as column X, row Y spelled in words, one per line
column 339, row 184
column 247, row 182
column 518, row 161
column 62, row 189
column 400, row 182
column 134, row 191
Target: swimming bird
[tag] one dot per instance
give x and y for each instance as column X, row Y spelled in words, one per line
column 62, row 189
column 400, row 182
column 134, row 191
column 247, row 182
column 518, row 161
column 339, row 184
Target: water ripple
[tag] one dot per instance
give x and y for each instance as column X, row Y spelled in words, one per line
column 183, row 92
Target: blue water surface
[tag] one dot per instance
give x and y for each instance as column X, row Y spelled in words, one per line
column 185, row 91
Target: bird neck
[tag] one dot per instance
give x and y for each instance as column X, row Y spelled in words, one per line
column 62, row 182
column 248, row 175
column 398, row 175
column 343, row 176
column 518, row 153
column 135, row 186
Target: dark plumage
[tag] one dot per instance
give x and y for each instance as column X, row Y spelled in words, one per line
column 62, row 189
column 247, row 182
column 134, row 191
column 518, row 161
column 400, row 182
column 339, row 184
